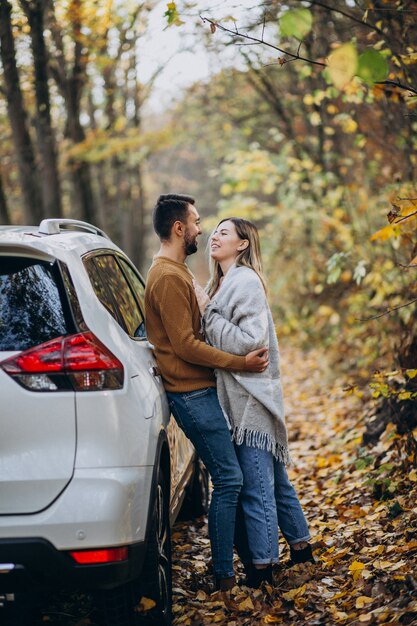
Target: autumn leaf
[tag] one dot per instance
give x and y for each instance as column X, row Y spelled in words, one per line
column 294, row 593
column 342, row 64
column 386, row 233
column 296, row 23
column 246, row 605
column 356, row 568
column 363, row 601
column 145, row 604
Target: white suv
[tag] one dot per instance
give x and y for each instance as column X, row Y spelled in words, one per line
column 92, row 471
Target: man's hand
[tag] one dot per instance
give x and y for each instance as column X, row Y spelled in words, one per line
column 202, row 297
column 258, row 360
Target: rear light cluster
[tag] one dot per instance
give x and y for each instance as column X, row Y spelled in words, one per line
column 76, row 362
column 106, row 555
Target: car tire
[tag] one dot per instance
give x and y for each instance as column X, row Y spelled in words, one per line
column 120, row 606
column 196, row 502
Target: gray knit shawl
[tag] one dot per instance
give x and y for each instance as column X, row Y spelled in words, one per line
column 238, row 320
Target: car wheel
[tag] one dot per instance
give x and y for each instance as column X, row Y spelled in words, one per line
column 196, row 502
column 158, row 562
column 120, row 606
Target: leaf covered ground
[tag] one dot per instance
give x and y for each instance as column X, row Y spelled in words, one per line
column 362, row 510
column 361, row 505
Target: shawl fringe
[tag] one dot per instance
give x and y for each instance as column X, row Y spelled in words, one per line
column 264, row 441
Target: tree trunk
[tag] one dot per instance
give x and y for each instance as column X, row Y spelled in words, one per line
column 48, row 169
column 28, row 174
column 70, row 82
column 4, row 209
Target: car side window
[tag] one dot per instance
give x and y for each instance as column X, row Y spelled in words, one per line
column 123, row 297
column 135, row 282
column 101, row 292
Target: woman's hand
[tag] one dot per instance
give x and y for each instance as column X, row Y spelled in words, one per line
column 202, row 297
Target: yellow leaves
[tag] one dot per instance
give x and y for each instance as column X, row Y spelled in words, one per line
column 412, row 476
column 246, row 605
column 356, row 569
column 349, row 126
column 342, row 64
column 332, row 109
column 102, row 145
column 363, row 601
column 332, row 459
column 294, row 593
column 409, row 59
column 308, row 99
column 411, row 373
column 145, row 604
column 392, row 230
column 172, row 14
column 272, row 619
column 315, row 118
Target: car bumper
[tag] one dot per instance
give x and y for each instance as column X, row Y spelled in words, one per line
column 99, row 509
column 28, row 564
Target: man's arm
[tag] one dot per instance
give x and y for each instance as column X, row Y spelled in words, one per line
column 172, row 297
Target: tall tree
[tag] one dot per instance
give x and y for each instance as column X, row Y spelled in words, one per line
column 4, row 209
column 25, row 154
column 48, row 169
column 71, row 79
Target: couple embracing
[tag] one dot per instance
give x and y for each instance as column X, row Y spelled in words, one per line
column 218, row 356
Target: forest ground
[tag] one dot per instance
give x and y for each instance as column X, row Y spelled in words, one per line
column 362, row 509
column 365, row 548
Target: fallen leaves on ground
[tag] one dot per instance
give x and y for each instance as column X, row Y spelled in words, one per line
column 365, row 548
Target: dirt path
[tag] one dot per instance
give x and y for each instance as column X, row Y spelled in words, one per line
column 366, row 549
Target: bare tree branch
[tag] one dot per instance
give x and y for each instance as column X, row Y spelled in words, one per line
column 405, row 217
column 345, row 14
column 387, row 312
column 397, row 84
column 237, row 33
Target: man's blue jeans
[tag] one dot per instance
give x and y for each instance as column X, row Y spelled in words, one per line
column 268, row 500
column 199, row 415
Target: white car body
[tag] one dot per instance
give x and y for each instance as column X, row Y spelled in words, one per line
column 78, row 469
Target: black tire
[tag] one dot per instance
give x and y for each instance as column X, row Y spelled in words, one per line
column 118, row 605
column 196, row 502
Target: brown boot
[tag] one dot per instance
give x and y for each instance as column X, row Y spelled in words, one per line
column 225, row 584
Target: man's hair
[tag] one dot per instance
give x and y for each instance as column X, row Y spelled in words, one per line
column 170, row 208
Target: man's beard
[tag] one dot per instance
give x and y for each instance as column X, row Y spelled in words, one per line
column 190, row 245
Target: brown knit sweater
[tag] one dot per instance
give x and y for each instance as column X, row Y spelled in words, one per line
column 173, row 326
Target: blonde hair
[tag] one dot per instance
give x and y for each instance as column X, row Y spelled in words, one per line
column 249, row 257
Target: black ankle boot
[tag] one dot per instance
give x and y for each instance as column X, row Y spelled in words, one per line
column 255, row 577
column 304, row 555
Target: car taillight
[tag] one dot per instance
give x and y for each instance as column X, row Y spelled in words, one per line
column 76, row 362
column 107, row 555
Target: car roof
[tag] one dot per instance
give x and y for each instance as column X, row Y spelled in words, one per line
column 64, row 237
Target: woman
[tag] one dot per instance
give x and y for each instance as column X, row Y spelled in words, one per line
column 236, row 318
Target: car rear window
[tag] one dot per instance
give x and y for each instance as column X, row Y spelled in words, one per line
column 31, row 307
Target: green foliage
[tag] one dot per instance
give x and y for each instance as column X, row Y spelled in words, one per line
column 172, row 15
column 335, row 265
column 296, row 23
column 372, row 66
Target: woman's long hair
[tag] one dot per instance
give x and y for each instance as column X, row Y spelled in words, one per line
column 249, row 257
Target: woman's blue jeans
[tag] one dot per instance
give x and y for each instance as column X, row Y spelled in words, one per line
column 267, row 500
column 199, row 415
